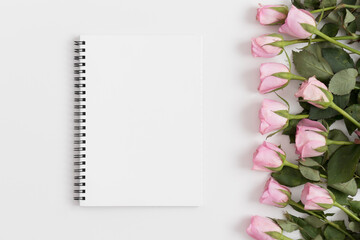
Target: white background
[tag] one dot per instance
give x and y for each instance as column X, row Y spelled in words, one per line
column 36, row 92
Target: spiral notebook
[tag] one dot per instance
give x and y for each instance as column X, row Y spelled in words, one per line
column 138, row 120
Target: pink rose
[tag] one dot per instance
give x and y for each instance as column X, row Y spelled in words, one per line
column 271, row 14
column 310, row 91
column 308, row 138
column 294, row 18
column 268, row 82
column 269, row 120
column 267, row 156
column 259, row 226
column 313, row 195
column 275, row 194
column 260, row 47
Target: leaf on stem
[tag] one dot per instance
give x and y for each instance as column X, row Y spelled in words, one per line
column 343, row 82
column 310, row 173
column 342, row 164
column 330, row 29
column 308, row 232
column 327, row 3
column 353, row 111
column 337, row 58
column 349, row 187
column 286, row 225
column 349, row 17
column 309, row 62
column 332, row 233
column 316, row 113
column 289, row 177
column 337, row 135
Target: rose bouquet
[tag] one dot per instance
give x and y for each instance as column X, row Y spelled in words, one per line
column 327, row 167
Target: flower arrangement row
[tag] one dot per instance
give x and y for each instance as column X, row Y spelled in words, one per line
column 328, row 164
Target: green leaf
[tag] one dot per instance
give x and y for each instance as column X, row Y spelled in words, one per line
column 346, row 78
column 332, row 233
column 310, row 173
column 309, row 162
column 327, row 3
column 330, row 29
column 289, row 177
column 318, row 113
column 355, row 206
column 318, row 237
column 337, row 58
column 349, row 187
column 309, row 62
column 314, row 221
column 354, row 226
column 349, row 17
column 341, row 198
column 352, row 27
column 350, row 2
column 298, row 4
column 343, row 82
column 342, row 164
column 354, row 111
column 308, row 231
column 286, row 225
column 336, row 135
column 357, row 65
column 311, row 4
column 290, row 130
column 334, row 17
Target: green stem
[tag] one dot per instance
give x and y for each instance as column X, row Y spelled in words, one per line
column 330, row 142
column 300, row 116
column 334, row 7
column 345, row 114
column 289, row 164
column 285, row 43
column 295, row 204
column 277, row 235
column 347, row 211
column 329, row 39
column 296, row 77
column 294, row 166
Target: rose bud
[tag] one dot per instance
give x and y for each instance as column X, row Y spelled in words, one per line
column 269, row 120
column 275, row 194
column 259, row 227
column 316, row 198
column 310, row 139
column 315, row 92
column 293, row 22
column 268, row 157
column 260, row 46
column 271, row 14
column 269, row 83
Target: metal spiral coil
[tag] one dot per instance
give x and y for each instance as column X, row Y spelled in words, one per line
column 79, row 121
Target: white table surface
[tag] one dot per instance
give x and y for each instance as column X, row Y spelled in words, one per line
column 36, row 172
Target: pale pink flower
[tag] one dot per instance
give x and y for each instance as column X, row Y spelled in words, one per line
column 295, row 18
column 308, row 138
column 267, row 156
column 312, row 195
column 271, row 14
column 269, row 120
column 275, row 194
column 259, row 226
column 260, row 46
column 310, row 91
column 268, row 82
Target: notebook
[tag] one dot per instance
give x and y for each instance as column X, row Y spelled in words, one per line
column 138, row 120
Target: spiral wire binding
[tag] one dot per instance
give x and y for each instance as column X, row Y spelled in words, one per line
column 79, row 121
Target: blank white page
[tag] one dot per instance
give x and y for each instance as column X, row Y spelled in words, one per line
column 143, row 120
